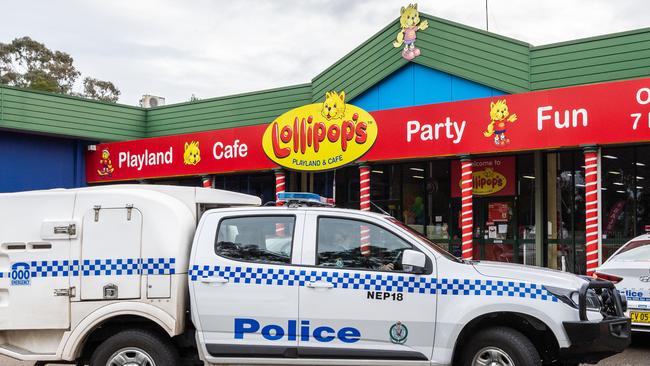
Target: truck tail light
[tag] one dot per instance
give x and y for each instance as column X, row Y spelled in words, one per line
column 607, row 277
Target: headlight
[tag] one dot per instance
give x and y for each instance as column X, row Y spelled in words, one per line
column 571, row 297
column 592, row 299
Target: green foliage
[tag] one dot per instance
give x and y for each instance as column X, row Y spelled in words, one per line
column 27, row 63
column 100, row 90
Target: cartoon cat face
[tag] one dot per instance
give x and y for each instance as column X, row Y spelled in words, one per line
column 334, row 105
column 192, row 154
column 499, row 110
column 409, row 16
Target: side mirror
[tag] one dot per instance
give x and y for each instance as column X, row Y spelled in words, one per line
column 413, row 261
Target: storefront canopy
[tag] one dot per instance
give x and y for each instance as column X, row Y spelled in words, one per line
column 598, row 114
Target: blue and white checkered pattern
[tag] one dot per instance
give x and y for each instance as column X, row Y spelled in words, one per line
column 56, row 268
column 109, row 267
column 493, row 288
column 101, row 267
column 373, row 281
column 158, row 266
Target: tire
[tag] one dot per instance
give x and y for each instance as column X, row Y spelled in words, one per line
column 145, row 347
column 508, row 346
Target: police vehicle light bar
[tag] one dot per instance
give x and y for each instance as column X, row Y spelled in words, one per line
column 303, row 198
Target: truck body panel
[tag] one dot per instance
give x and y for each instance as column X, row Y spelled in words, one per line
column 266, row 285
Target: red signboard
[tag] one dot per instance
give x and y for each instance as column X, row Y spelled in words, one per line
column 227, row 150
column 605, row 113
column 498, row 212
column 491, row 177
column 617, row 112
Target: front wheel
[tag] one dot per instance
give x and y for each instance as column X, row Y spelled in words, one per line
column 500, row 346
column 135, row 348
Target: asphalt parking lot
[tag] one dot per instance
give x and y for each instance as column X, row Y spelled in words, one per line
column 637, row 355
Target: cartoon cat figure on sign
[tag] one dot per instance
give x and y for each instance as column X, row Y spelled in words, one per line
column 192, row 154
column 106, row 164
column 410, row 22
column 334, row 105
column 499, row 115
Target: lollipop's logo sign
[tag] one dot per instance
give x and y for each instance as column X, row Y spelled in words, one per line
column 320, row 136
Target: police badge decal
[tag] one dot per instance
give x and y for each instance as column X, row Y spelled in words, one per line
column 398, row 333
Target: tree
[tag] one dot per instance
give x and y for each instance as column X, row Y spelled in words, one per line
column 101, row 90
column 27, row 63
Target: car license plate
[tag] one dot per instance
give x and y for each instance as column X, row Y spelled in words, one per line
column 640, row 317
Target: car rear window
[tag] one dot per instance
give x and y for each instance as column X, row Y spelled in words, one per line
column 634, row 251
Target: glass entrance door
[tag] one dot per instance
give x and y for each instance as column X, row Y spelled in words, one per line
column 494, row 229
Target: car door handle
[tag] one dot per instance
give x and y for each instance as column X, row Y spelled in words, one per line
column 320, row 284
column 215, row 280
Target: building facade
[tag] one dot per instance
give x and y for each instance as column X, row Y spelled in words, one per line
column 562, row 187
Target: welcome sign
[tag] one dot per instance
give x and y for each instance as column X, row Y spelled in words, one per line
column 491, row 177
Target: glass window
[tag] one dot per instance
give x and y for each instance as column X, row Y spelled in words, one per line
column 385, row 188
column 413, row 186
column 526, row 208
column 262, row 239
column 323, row 183
column 347, row 187
column 438, row 187
column 565, row 206
column 340, row 244
column 636, row 251
column 642, row 189
column 260, row 185
column 618, row 190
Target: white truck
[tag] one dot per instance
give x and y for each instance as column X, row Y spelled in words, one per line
column 158, row 276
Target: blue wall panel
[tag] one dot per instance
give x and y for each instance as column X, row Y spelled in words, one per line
column 30, row 162
column 415, row 84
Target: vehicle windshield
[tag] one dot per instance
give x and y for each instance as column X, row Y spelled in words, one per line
column 423, row 239
column 636, row 251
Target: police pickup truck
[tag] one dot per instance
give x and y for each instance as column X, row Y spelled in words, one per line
column 160, row 276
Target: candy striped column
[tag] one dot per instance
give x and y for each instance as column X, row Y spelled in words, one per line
column 206, row 181
column 364, row 187
column 279, row 188
column 592, row 209
column 364, row 205
column 466, row 214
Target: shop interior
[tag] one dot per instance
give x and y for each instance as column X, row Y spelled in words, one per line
column 420, row 194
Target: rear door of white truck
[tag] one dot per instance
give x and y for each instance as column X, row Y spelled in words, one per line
column 244, row 299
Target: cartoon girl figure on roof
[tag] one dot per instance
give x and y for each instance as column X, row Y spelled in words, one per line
column 410, row 22
column 106, row 165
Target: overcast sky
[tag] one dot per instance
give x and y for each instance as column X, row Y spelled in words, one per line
column 175, row 48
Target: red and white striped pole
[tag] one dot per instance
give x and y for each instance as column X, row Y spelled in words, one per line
column 206, row 181
column 592, row 209
column 279, row 185
column 466, row 214
column 364, row 205
column 364, row 187
column 279, row 188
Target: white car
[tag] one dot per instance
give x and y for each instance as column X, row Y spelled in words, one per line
column 629, row 269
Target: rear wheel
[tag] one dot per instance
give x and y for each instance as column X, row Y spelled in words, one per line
column 500, row 346
column 135, row 348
